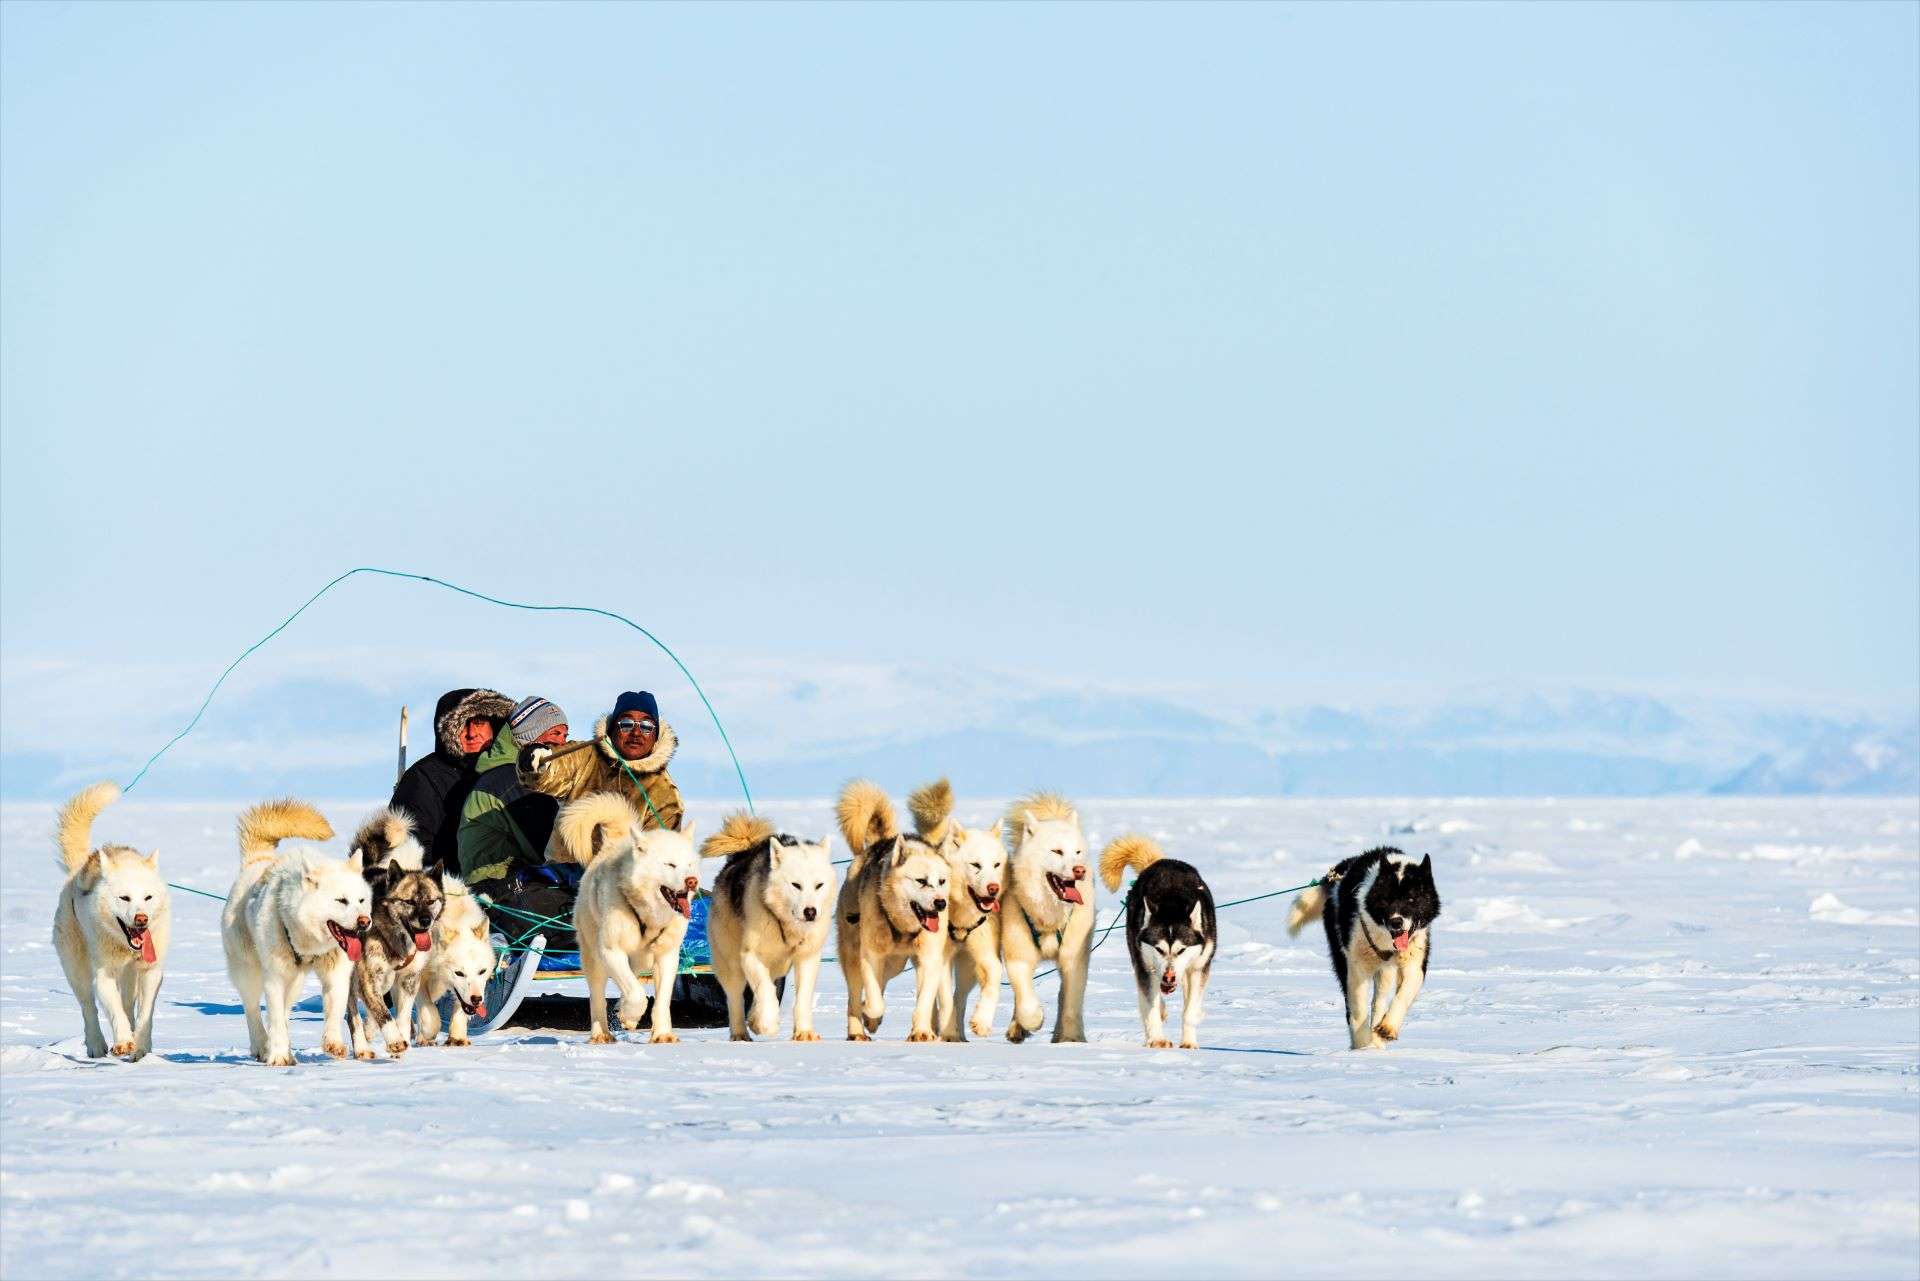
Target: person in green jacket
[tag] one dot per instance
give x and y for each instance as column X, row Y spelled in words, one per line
column 504, row 824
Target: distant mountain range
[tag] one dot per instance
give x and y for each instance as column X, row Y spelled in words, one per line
column 323, row 725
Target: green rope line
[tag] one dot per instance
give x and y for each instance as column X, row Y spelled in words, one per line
column 640, row 787
column 221, row 898
column 464, row 591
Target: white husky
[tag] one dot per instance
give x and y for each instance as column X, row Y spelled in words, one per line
column 772, row 907
column 1049, row 914
column 287, row 914
column 979, row 869
column 110, row 928
column 631, row 916
column 461, row 962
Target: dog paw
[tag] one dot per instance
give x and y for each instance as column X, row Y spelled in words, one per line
column 336, row 1048
column 457, row 1040
column 873, row 1023
column 1016, row 1033
column 921, row 1037
column 600, row 1038
column 280, row 1060
column 806, row 1036
column 740, row 1036
column 858, row 1036
column 1159, row 1043
column 663, row 1038
column 396, row 1048
column 1387, row 1032
column 121, row 1048
column 365, row 1056
column 979, row 1029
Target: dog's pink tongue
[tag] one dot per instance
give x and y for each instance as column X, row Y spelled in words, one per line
column 353, row 947
column 1401, row 940
column 423, row 941
column 147, row 953
column 1071, row 893
column 479, row 1009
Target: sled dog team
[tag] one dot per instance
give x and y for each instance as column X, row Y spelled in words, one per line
column 388, row 938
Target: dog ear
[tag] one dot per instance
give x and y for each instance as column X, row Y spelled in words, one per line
column 1027, row 828
column 480, row 931
column 1426, row 865
column 436, row 875
column 686, row 827
column 1198, row 921
column 774, row 850
column 355, row 861
column 899, row 853
column 994, row 831
column 89, row 874
column 153, row 860
column 1073, row 817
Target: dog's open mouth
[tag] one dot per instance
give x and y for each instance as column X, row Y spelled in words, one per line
column 987, row 904
column 929, row 918
column 349, row 941
column 1168, row 983
column 1063, row 889
column 140, row 939
column 476, row 1008
column 680, row 901
column 423, row 941
column 1402, row 941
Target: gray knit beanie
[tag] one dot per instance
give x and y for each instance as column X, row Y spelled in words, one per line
column 532, row 717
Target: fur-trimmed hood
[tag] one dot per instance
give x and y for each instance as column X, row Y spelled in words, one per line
column 456, row 708
column 652, row 763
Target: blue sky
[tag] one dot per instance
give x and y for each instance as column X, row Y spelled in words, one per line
column 1418, row 345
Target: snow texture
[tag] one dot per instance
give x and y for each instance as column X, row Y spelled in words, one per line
column 1660, row 1038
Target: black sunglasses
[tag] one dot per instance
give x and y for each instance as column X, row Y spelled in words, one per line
column 626, row 725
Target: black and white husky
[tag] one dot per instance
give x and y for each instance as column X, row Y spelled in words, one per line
column 1171, row 934
column 1377, row 908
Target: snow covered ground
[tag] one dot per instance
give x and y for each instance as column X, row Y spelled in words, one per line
column 1660, row 1038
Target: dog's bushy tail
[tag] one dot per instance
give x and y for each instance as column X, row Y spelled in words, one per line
column 1308, row 907
column 1130, row 851
column 76, row 823
column 388, row 834
column 263, row 827
column 1041, row 807
column 462, row 912
column 585, row 827
column 932, row 810
column 866, row 816
column 739, row 832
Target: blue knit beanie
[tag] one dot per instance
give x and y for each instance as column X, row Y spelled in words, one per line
column 636, row 700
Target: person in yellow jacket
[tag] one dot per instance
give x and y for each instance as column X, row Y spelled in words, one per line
column 628, row 754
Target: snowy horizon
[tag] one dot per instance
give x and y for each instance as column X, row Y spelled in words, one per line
column 324, row 723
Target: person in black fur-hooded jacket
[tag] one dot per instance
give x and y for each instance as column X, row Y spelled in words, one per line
column 435, row 787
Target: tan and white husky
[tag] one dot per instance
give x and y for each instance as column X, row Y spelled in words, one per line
column 110, row 928
column 978, row 869
column 771, row 910
column 1049, row 913
column 892, row 909
column 635, row 898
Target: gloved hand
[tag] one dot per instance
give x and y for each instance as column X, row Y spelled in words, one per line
column 533, row 759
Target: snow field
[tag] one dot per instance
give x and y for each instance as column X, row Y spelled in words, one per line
column 1665, row 1038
